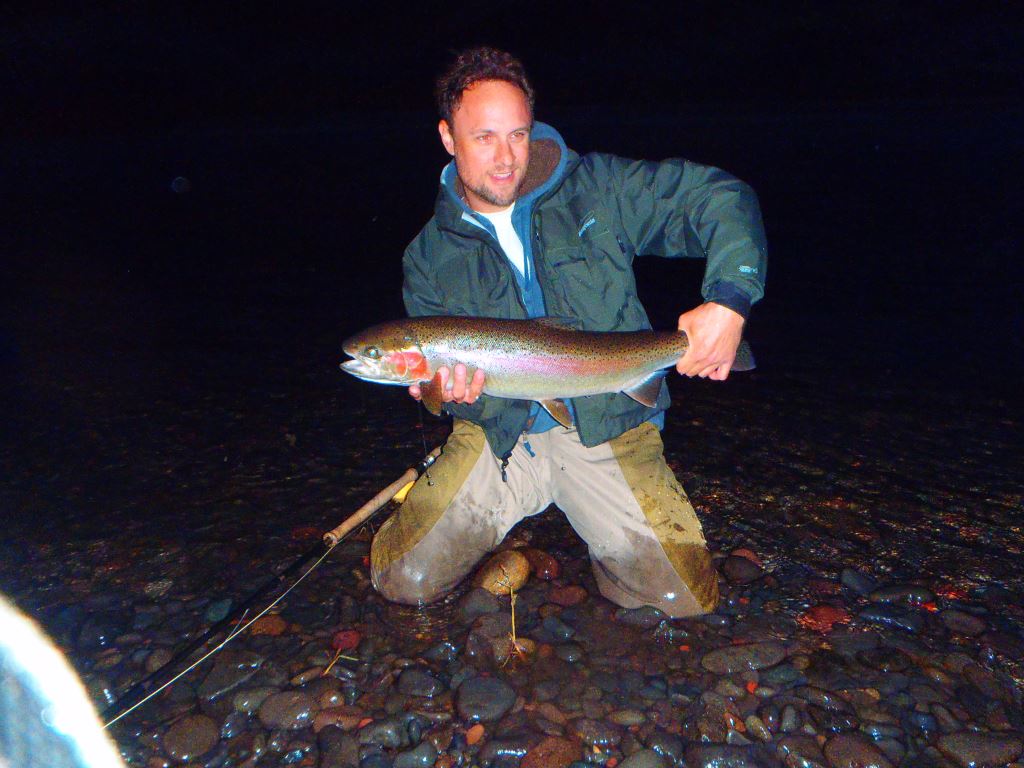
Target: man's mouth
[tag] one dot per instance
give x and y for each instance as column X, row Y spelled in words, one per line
column 500, row 177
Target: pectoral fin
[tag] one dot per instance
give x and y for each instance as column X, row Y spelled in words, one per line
column 558, row 411
column 430, row 394
column 647, row 391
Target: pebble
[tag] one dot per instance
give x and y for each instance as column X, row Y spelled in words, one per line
column 232, row 668
column 422, row 756
column 719, row 756
column 568, row 595
column 893, row 616
column 485, row 699
column 857, row 581
column 272, row 624
column 645, row 758
column 740, row 570
column 504, row 571
column 415, row 681
column 191, row 737
column 970, row 749
column 596, row 733
column 542, row 565
column 739, row 658
column 903, row 594
column 288, row 710
column 963, row 623
column 551, row 752
column 644, row 617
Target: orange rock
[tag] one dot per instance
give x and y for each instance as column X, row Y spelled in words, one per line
column 822, row 617
column 474, row 734
column 552, row 752
column 271, row 624
column 504, row 571
column 346, row 718
column 743, row 552
column 568, row 595
column 543, row 565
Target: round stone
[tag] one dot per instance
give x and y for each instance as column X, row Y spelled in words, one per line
column 484, row 698
column 504, row 572
column 739, row 658
column 419, row 682
column 968, row 748
column 848, row 750
column 191, row 737
column 288, row 710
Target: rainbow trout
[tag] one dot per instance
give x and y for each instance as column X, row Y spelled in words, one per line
column 544, row 360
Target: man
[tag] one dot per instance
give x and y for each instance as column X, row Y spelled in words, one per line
column 525, row 227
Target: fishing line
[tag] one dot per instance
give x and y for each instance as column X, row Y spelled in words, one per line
column 423, row 437
column 231, row 636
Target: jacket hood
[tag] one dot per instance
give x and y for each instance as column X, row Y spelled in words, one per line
column 550, row 161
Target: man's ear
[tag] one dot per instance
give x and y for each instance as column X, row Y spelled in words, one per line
column 446, row 137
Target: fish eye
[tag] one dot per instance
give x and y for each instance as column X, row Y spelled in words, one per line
column 372, row 352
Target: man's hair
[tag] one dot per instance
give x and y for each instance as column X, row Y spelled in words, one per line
column 476, row 64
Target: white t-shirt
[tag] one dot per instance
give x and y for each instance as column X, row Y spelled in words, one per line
column 507, row 237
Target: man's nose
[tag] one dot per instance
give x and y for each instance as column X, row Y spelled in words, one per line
column 503, row 153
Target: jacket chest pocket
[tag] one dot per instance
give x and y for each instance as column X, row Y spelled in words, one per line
column 476, row 283
column 593, row 285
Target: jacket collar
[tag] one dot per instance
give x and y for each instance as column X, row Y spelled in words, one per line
column 549, row 162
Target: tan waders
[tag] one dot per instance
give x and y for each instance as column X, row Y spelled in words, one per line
column 646, row 544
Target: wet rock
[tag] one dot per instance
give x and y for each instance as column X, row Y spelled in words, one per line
column 738, row 658
column 884, row 659
column 627, row 717
column 568, row 595
column 288, row 710
column 248, row 700
column 903, row 594
column 415, row 681
column 217, row 610
column 969, row 749
column 484, row 698
column 478, row 602
column 551, row 752
column 389, row 733
column 346, row 640
column 157, row 659
column 719, row 756
column 232, row 668
column 644, row 758
column 858, row 581
column 596, row 733
column 542, row 565
column 422, row 756
column 558, row 629
column 511, row 749
column 848, row 750
column 893, row 616
column 101, row 629
column 801, row 750
column 191, row 737
column 740, row 570
column 570, row 652
column 963, row 623
column 272, row 624
column 158, row 588
column 504, row 572
column 823, row 617
column 645, row 616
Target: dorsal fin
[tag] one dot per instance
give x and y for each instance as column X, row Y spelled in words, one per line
column 558, row 411
column 560, row 323
column 647, row 391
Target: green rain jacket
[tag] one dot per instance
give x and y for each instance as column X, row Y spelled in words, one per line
column 582, row 221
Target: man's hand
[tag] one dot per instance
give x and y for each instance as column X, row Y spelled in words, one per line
column 714, row 332
column 454, row 387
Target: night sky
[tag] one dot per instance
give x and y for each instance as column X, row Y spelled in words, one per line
column 884, row 140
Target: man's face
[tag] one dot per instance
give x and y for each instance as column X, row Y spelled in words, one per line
column 489, row 137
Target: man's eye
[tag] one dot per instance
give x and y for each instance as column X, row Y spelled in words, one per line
column 372, row 352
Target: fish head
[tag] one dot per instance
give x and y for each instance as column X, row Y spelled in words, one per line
column 388, row 353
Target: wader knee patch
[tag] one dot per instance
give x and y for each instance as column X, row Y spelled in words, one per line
column 640, row 454
column 430, row 496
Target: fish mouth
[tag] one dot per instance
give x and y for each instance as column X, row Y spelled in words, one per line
column 370, row 370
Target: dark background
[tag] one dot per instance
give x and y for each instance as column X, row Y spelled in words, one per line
column 884, row 140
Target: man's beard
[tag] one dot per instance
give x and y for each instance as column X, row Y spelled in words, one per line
column 491, row 197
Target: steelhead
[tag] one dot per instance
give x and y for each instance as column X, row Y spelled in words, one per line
column 545, row 360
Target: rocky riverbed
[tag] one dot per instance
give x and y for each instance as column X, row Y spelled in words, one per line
column 867, row 535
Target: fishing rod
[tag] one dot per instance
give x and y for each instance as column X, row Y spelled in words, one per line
column 136, row 695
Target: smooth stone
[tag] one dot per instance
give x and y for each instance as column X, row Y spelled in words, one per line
column 596, row 733
column 157, row 659
column 248, row 700
column 559, row 630
column 645, row 758
column 567, row 596
column 853, row 751
column 627, row 717
column 801, row 750
column 218, row 610
column 740, row 570
column 512, row 748
column 884, row 659
column 415, row 681
column 543, row 565
column 389, row 733
column 422, row 756
column 272, row 624
column 719, row 756
column 551, row 752
column 570, row 652
column 903, row 594
column 101, row 629
column 741, row 658
column 233, row 667
column 478, row 602
column 962, row 623
column 971, row 749
column 288, row 710
column 666, row 744
column 893, row 616
column 484, row 699
column 375, row 760
column 504, row 572
column 858, row 581
column 191, row 737
column 644, row 617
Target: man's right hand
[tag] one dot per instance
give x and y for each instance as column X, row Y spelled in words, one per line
column 454, row 387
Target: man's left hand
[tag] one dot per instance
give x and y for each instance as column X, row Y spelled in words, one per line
column 714, row 333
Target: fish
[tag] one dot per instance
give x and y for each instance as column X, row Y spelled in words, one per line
column 546, row 360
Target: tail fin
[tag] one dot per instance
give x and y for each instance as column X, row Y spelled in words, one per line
column 744, row 358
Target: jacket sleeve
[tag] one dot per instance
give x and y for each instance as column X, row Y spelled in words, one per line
column 677, row 208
